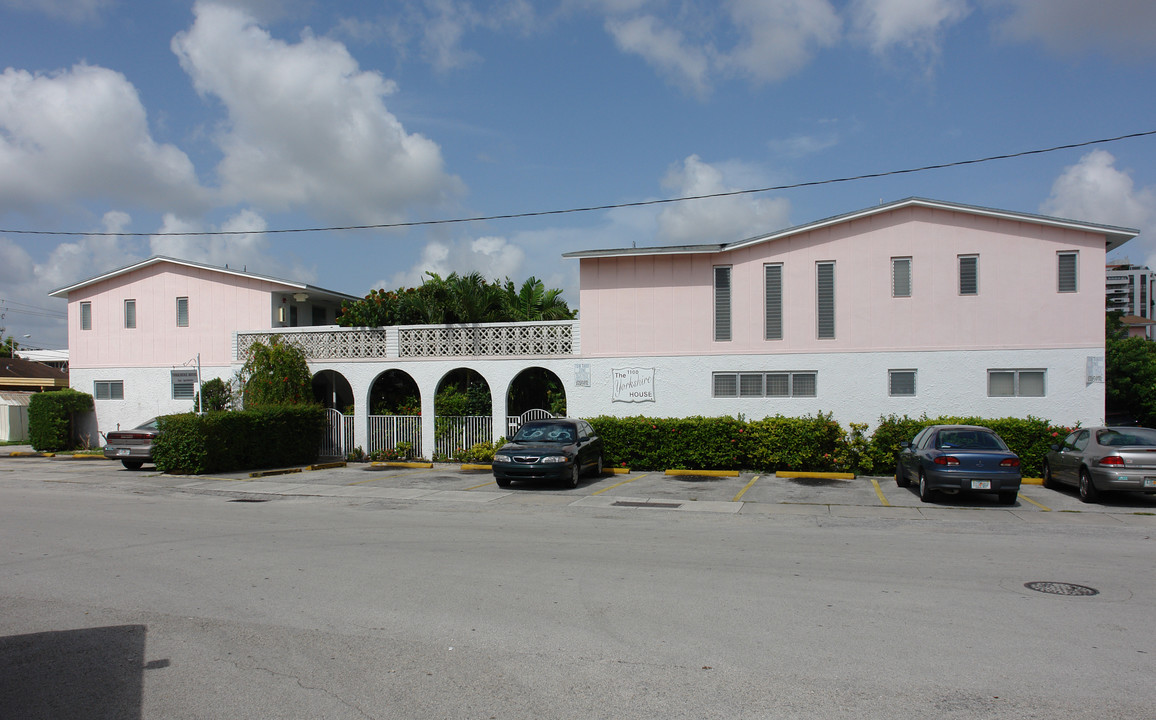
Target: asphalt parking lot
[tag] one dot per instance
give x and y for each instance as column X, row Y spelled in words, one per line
column 636, row 490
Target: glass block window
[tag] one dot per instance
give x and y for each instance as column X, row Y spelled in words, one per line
column 182, row 312
column 1066, row 272
column 778, row 385
column 969, row 274
column 751, row 385
column 773, row 287
column 1016, row 383
column 130, row 314
column 726, row 385
column 108, row 390
column 722, row 303
column 86, row 316
column 901, row 277
column 901, row 383
column 825, row 299
column 775, row 384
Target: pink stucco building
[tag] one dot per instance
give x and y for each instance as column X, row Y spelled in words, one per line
column 911, row 307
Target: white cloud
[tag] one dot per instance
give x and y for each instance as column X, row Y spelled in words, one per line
column 778, row 37
column 494, row 257
column 801, row 145
column 82, row 134
column 246, row 247
column 1115, row 27
column 1096, row 191
column 914, row 25
column 723, row 219
column 307, row 128
column 665, row 49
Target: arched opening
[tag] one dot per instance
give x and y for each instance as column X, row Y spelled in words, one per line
column 332, row 390
column 394, row 419
column 464, row 413
column 536, row 388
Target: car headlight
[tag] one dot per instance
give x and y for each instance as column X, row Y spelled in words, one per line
column 502, row 458
column 553, row 459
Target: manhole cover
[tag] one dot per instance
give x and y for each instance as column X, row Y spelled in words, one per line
column 1060, row 588
column 646, row 504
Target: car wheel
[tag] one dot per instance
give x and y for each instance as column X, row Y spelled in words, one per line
column 1088, row 491
column 574, row 474
column 1008, row 498
column 132, row 464
column 926, row 494
column 502, row 482
column 900, row 479
column 1049, row 481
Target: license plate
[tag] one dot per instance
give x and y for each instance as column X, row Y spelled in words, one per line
column 122, row 451
column 1150, row 482
column 981, row 484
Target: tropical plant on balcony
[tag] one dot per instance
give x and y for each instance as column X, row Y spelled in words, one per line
column 457, row 299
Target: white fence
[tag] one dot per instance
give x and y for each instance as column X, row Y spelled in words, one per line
column 338, row 440
column 462, row 432
column 386, row 431
column 513, row 422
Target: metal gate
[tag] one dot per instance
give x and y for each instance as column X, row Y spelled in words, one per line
column 338, row 434
column 513, row 422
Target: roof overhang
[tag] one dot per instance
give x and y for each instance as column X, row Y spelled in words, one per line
column 1114, row 236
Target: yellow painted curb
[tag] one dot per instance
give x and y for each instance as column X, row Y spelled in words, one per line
column 83, row 457
column 20, row 453
column 476, row 466
column 270, row 473
column 705, row 473
column 617, row 471
column 819, row 475
column 426, row 465
column 328, row 465
column 1031, row 481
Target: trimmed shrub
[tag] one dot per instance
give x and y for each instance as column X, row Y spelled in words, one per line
column 268, row 436
column 50, row 418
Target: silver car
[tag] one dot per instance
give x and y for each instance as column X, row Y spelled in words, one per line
column 132, row 447
column 1102, row 459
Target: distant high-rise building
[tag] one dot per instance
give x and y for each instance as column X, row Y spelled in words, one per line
column 1129, row 289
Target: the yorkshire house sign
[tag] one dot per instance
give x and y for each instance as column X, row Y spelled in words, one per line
column 633, row 385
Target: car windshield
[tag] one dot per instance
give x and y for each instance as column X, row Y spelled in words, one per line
column 968, row 440
column 545, row 432
column 150, row 425
column 1127, row 436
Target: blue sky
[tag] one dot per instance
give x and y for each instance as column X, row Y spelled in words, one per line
column 161, row 116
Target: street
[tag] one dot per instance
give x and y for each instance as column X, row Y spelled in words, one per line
column 141, row 596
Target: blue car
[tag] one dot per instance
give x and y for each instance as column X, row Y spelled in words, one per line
column 957, row 459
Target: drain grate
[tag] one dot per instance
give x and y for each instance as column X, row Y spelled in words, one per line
column 1061, row 588
column 647, row 504
column 250, row 500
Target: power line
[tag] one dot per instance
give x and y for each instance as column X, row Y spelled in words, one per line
column 594, row 208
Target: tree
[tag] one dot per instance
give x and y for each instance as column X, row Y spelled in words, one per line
column 8, row 345
column 276, row 374
column 218, row 395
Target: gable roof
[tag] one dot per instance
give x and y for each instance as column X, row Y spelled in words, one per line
column 1116, row 236
column 287, row 285
column 21, row 373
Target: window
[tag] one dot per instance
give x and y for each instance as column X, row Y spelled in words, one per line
column 130, row 314
column 108, row 390
column 969, row 274
column 318, row 315
column 901, row 277
column 901, row 383
column 184, row 390
column 764, row 384
column 86, row 316
column 182, row 312
column 1066, row 272
column 773, row 287
column 825, row 299
column 1016, row 383
column 722, row 303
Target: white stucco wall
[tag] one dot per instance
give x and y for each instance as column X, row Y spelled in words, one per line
column 147, row 394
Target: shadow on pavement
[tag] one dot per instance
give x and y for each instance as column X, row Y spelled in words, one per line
column 87, row 673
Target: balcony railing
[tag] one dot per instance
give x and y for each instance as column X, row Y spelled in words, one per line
column 528, row 339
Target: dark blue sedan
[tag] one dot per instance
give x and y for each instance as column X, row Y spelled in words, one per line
column 959, row 459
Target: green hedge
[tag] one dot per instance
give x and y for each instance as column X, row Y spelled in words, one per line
column 811, row 443
column 270, row 436
column 50, row 419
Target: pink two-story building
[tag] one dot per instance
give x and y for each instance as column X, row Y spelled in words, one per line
column 911, row 307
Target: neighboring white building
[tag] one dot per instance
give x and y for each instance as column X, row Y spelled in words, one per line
column 1129, row 289
column 911, row 307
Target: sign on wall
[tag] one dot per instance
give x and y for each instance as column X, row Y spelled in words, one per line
column 632, row 385
column 1095, row 370
column 582, row 375
column 184, row 375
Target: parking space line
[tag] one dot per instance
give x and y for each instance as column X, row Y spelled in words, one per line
column 485, row 484
column 382, row 476
column 748, row 487
column 628, row 480
column 879, row 492
column 1045, row 508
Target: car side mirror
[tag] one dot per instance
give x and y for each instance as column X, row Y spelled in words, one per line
column 1055, row 447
